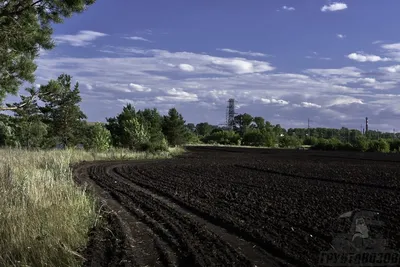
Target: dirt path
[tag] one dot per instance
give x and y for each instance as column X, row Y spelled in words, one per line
column 148, row 229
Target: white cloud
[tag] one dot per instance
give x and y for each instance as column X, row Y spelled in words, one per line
column 395, row 46
column 367, row 80
column 340, row 36
column 88, row 86
column 177, row 95
column 392, row 69
column 249, row 53
column 288, row 8
column 241, row 66
column 392, row 50
column 126, row 101
column 310, row 105
column 137, row 38
column 216, row 65
column 315, row 56
column 186, row 67
column 215, row 80
column 345, row 72
column 107, row 51
column 344, row 100
column 274, row 101
column 83, row 38
column 366, row 57
column 43, row 52
column 383, row 85
column 334, row 7
column 139, row 88
column 377, row 42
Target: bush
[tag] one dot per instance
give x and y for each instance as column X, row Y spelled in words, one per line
column 394, row 145
column 192, row 138
column 253, row 138
column 289, row 141
column 311, row 141
column 153, row 147
column 379, row 146
column 331, row 145
column 361, row 144
column 223, row 138
column 321, row 144
column 100, row 138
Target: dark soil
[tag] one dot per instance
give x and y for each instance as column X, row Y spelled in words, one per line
column 218, row 206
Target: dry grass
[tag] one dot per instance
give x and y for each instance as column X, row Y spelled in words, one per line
column 44, row 216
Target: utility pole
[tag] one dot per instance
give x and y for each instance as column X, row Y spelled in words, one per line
column 309, row 134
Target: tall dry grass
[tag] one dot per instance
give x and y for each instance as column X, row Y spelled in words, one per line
column 44, row 217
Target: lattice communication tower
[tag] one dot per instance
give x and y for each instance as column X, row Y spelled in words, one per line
column 230, row 113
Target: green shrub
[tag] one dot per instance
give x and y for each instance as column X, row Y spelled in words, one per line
column 223, row 138
column 379, row 146
column 361, row 143
column 394, row 144
column 253, row 137
column 289, row 141
column 153, row 147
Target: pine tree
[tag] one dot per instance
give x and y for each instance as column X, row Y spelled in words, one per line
column 25, row 28
column 174, row 128
column 61, row 109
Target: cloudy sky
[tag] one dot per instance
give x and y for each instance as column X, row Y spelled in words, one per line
column 284, row 60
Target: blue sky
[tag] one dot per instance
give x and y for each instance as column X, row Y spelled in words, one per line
column 284, row 60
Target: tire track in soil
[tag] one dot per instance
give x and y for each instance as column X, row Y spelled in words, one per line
column 250, row 242
column 250, row 250
column 129, row 242
column 159, row 232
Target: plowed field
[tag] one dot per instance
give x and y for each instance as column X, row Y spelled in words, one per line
column 236, row 207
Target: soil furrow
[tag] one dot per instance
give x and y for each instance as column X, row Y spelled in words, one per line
column 375, row 186
column 212, row 207
column 138, row 246
column 250, row 250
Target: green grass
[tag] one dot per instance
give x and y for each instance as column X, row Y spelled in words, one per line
column 44, row 217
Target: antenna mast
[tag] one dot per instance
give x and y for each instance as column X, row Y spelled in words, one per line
column 230, row 114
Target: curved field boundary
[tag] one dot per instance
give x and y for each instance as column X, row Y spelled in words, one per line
column 124, row 231
column 215, row 208
column 174, row 235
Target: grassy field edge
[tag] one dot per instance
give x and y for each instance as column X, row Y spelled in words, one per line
column 45, row 217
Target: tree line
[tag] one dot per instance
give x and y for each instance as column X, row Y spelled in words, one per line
column 59, row 121
column 256, row 131
column 26, row 28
